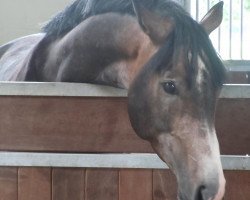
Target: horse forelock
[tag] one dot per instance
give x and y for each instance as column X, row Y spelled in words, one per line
column 189, row 43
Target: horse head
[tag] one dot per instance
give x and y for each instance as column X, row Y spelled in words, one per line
column 172, row 100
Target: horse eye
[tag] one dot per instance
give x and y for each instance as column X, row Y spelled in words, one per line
column 169, row 87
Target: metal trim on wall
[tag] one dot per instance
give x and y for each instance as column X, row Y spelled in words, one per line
column 235, row 91
column 59, row 89
column 91, row 90
column 139, row 161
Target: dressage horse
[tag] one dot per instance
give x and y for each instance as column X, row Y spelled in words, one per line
column 161, row 55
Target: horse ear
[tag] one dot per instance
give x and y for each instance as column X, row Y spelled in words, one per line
column 213, row 18
column 155, row 26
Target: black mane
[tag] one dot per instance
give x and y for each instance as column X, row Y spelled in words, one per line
column 80, row 10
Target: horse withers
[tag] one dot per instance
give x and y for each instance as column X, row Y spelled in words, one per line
column 161, row 55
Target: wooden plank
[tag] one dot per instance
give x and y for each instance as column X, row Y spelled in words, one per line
column 68, row 184
column 8, row 183
column 27, row 125
column 102, row 184
column 238, row 185
column 34, row 183
column 164, row 185
column 232, row 126
column 135, row 184
column 66, row 124
column 238, row 77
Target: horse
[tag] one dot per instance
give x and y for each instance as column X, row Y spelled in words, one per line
column 155, row 50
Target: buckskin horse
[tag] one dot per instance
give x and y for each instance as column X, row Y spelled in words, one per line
column 161, row 55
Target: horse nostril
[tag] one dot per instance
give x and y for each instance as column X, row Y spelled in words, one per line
column 199, row 195
column 206, row 192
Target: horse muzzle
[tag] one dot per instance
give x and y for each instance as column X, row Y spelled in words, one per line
column 206, row 182
column 196, row 164
column 212, row 190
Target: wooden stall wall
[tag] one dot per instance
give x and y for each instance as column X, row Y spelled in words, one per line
column 70, row 124
column 100, row 125
column 67, row 124
column 78, row 184
column 103, row 184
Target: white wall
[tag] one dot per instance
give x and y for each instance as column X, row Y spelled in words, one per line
column 23, row 17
